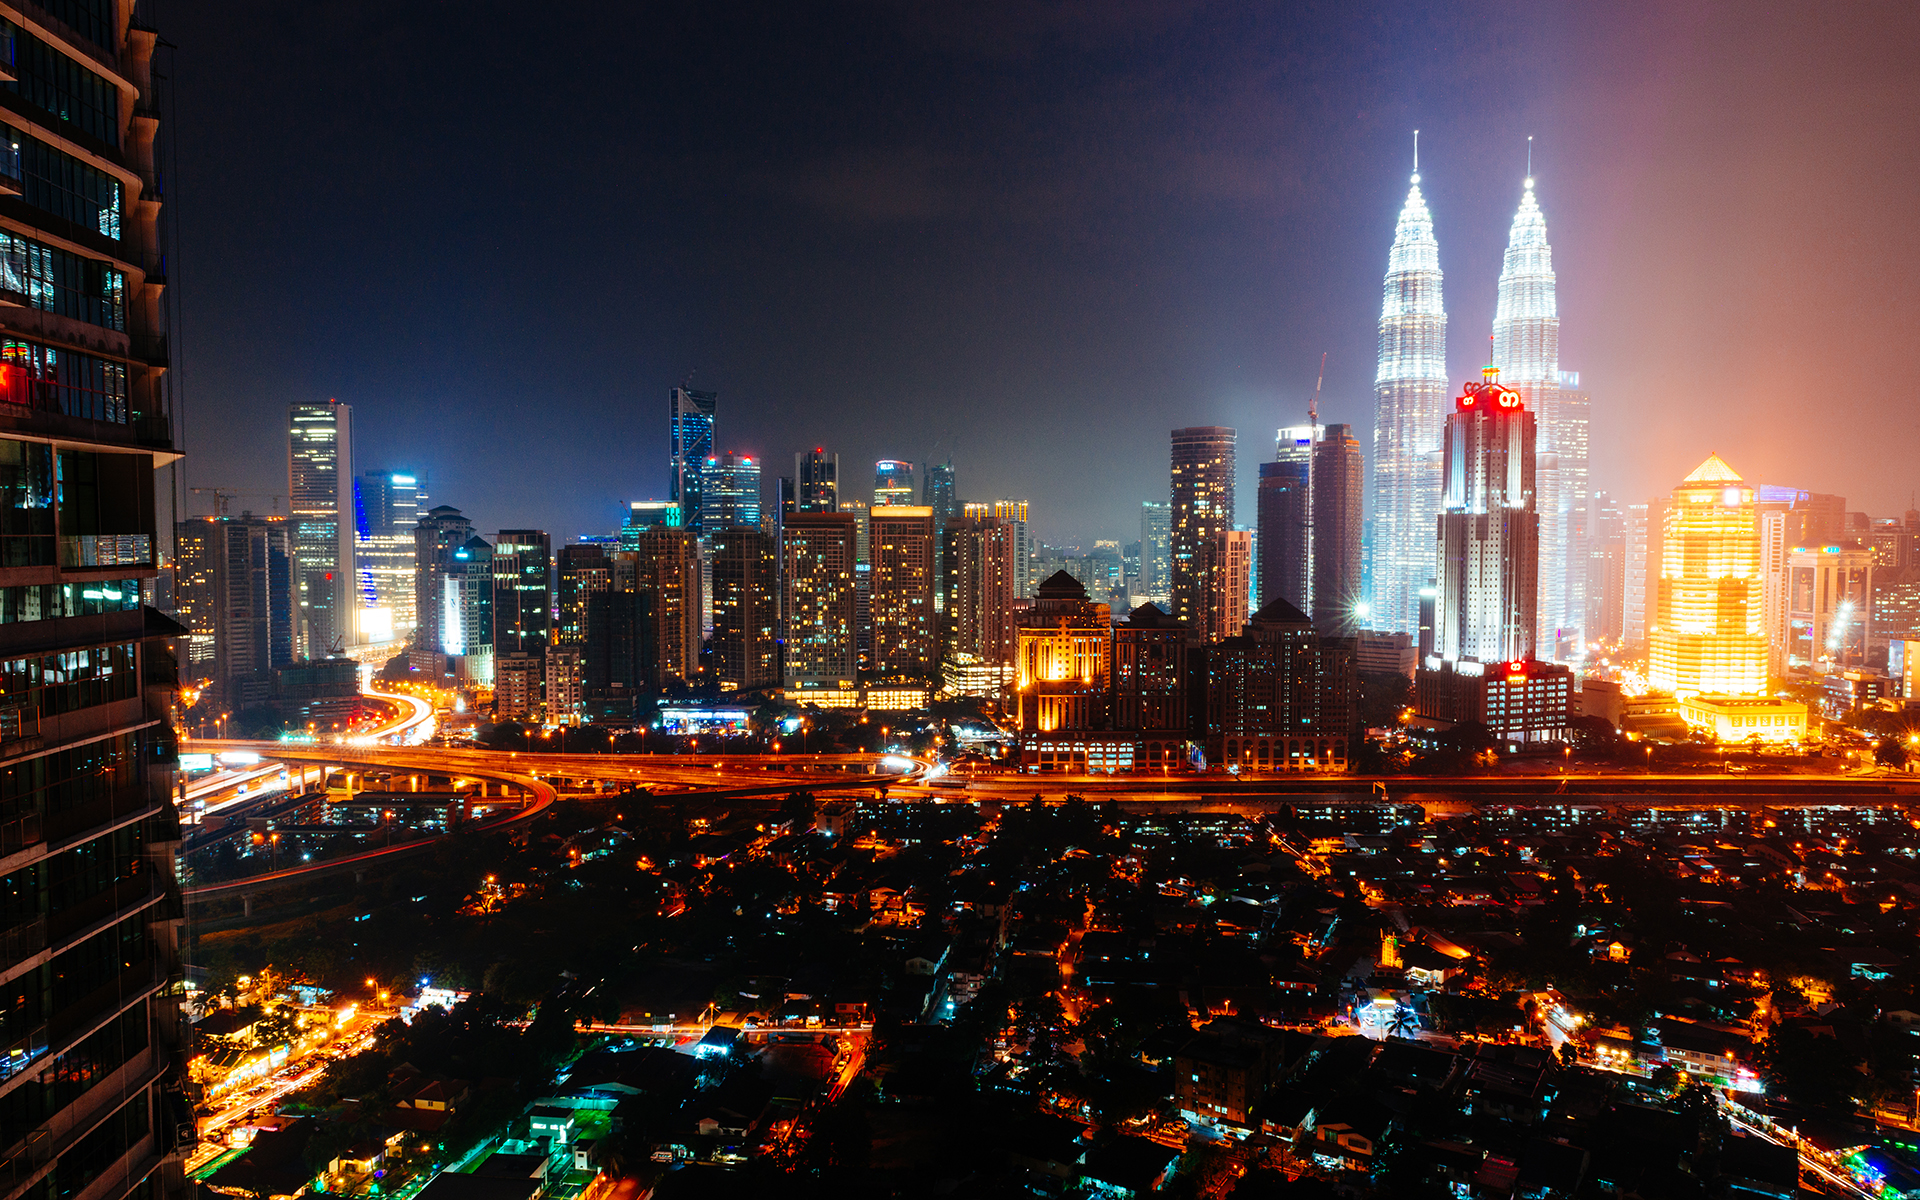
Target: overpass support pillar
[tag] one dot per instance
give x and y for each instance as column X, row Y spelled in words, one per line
column 246, row 904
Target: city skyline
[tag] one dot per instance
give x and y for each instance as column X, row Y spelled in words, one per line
column 1656, row 173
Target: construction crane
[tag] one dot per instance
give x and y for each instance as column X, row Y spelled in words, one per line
column 221, row 497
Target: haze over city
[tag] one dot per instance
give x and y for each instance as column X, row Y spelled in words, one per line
column 1033, row 239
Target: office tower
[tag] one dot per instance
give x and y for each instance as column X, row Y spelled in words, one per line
column 816, row 476
column 904, row 641
column 466, row 618
column 1483, row 667
column 730, row 491
column 979, row 557
column 861, row 512
column 1829, row 608
column 817, row 572
column 1284, row 518
column 665, row 567
column 945, row 504
column 1634, row 605
column 1339, row 483
column 1487, row 564
column 1201, row 510
column 1063, row 661
column 1571, row 420
column 236, row 597
column 1706, row 633
column 1526, row 349
column 690, row 441
column 745, row 608
column 583, row 570
column 193, row 601
column 93, row 1073
column 386, row 507
column 1606, row 588
column 441, row 532
column 1155, row 682
column 1014, row 513
column 1280, row 696
column 1226, row 564
column 1410, row 392
column 522, row 591
column 1156, row 555
column 618, row 659
column 518, row 679
column 892, row 483
column 565, row 683
column 320, row 501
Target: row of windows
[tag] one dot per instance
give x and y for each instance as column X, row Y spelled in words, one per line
column 91, row 19
column 96, row 1153
column 70, row 680
column 70, row 1075
column 61, row 282
column 63, row 381
column 56, row 182
column 26, row 504
column 63, row 882
column 60, row 987
column 64, row 88
column 70, row 779
column 49, row 601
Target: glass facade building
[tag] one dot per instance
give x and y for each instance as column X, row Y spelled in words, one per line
column 1410, row 393
column 1706, row 633
column 92, row 1079
column 320, row 501
column 386, row 508
column 690, row 434
column 1201, row 507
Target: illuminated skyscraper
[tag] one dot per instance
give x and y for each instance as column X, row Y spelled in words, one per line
column 522, row 592
column 320, row 500
column 235, row 593
column 819, row 553
column 1014, row 512
column 1226, row 566
column 1201, row 510
column 1572, row 409
column 690, row 438
column 729, row 491
column 386, row 507
column 1706, row 633
column 1339, row 487
column 940, row 497
column 1526, row 349
column 466, row 618
column 816, row 477
column 745, row 608
column 1156, row 558
column 892, row 483
column 905, row 642
column 1410, row 391
column 1284, row 515
column 979, row 556
column 1489, row 535
column 441, row 531
column 583, row 571
column 1482, row 667
column 664, row 569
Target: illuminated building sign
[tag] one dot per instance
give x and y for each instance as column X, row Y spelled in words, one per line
column 1487, row 393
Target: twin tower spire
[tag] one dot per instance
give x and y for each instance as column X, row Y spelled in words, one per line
column 1411, row 395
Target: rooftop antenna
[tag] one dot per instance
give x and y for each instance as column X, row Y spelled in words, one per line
column 1416, row 156
column 1529, row 160
column 1313, row 405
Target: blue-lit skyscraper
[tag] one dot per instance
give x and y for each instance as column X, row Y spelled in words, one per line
column 1410, row 391
column 386, row 507
column 690, row 429
column 730, row 492
column 945, row 503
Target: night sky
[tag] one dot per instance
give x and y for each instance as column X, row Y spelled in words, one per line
column 1033, row 237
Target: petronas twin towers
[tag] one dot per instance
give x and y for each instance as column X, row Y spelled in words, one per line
column 1411, row 394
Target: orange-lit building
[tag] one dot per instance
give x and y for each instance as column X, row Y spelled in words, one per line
column 1706, row 631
